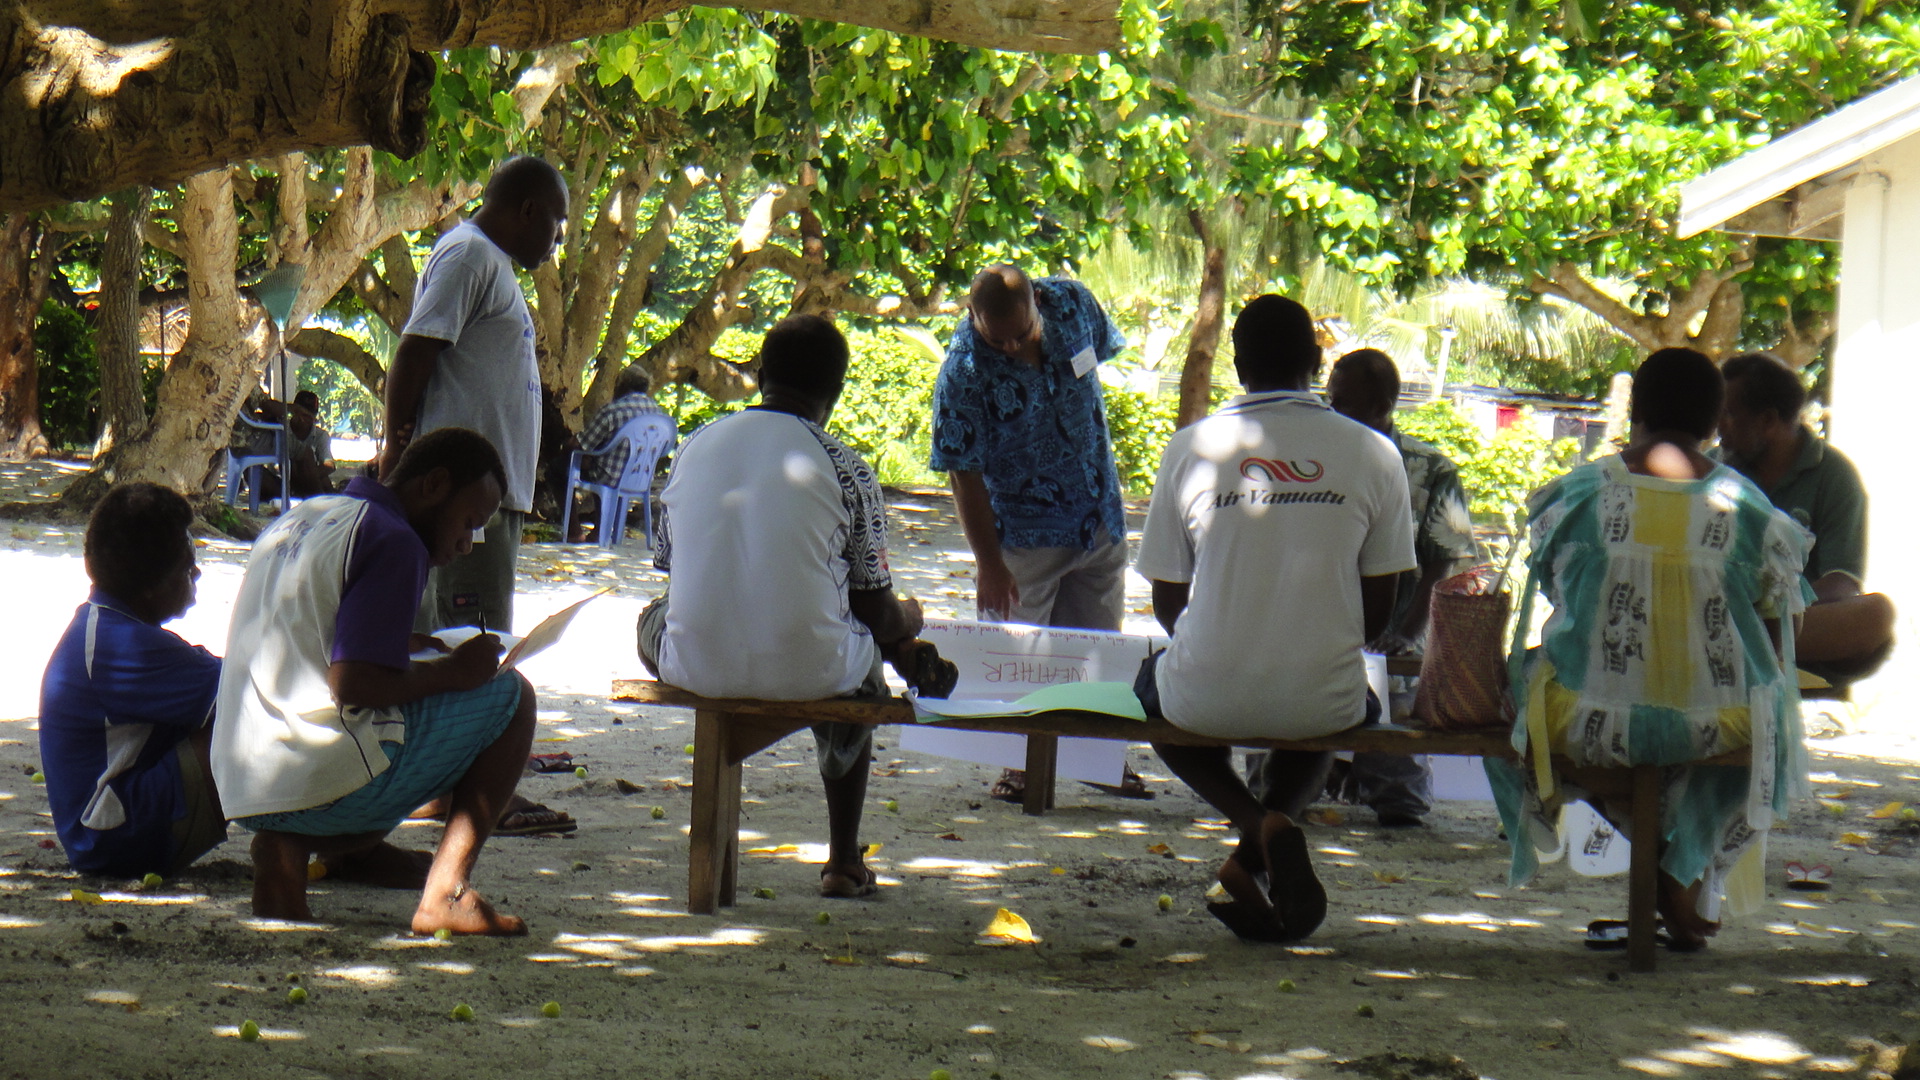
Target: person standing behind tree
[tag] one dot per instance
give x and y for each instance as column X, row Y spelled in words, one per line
column 467, row 360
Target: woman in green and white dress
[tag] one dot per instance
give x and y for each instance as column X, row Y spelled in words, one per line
column 1674, row 586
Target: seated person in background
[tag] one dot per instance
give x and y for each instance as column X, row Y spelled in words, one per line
column 1365, row 386
column 309, row 447
column 780, row 588
column 1845, row 634
column 1671, row 578
column 1275, row 540
column 632, row 398
column 329, row 734
column 126, row 709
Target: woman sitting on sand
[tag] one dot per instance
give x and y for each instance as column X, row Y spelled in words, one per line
column 1674, row 584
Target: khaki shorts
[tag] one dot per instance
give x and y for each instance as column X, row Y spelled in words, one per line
column 839, row 747
column 202, row 827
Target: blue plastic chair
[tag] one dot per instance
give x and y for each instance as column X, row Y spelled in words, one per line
column 249, row 466
column 646, row 438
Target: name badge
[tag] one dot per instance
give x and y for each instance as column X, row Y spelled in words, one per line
column 1083, row 362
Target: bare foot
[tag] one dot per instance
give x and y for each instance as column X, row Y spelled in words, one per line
column 466, row 914
column 384, row 866
column 848, row 882
column 1240, row 875
column 280, row 877
column 1679, row 907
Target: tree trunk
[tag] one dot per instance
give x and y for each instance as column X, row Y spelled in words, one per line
column 1713, row 297
column 1210, row 316
column 211, row 374
column 123, row 402
column 20, row 300
column 100, row 96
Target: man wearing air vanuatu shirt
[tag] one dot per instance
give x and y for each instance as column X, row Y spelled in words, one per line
column 1274, row 541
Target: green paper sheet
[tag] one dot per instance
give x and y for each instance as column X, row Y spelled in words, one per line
column 1108, row 698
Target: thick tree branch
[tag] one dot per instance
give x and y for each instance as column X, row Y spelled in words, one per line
column 342, row 350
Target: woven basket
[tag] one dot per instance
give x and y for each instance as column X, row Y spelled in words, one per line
column 1463, row 676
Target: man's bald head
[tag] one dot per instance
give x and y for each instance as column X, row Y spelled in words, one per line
column 1003, row 312
column 1365, row 385
column 525, row 210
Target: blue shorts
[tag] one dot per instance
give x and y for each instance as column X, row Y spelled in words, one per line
column 445, row 733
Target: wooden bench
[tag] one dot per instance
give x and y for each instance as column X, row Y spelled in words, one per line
column 728, row 732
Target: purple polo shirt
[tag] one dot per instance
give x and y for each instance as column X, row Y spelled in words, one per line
column 386, row 574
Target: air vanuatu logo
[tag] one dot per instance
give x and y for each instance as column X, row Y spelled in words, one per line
column 1269, row 471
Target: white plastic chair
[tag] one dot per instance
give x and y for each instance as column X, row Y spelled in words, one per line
column 249, row 466
column 646, row 437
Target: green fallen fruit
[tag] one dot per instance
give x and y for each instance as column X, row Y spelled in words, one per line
column 39, row 778
column 153, row 881
column 443, row 934
column 939, row 1074
column 296, row 995
column 689, row 749
column 1910, row 814
column 659, row 813
column 580, row 771
column 1287, row 987
column 249, row 1031
column 1165, row 903
column 763, row 893
column 823, row 918
column 1363, row 1010
column 550, row 1010
column 893, row 806
column 462, row 1011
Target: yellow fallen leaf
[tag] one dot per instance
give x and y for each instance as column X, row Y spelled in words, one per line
column 1326, row 817
column 1185, row 958
column 843, row 961
column 1205, row 1038
column 1856, row 838
column 1109, row 1042
column 82, row 896
column 777, row 849
column 1388, row 879
column 874, row 848
column 1057, row 871
column 1008, row 927
column 1892, row 809
column 1161, row 849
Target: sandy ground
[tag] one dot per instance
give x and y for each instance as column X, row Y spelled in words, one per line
column 1427, row 953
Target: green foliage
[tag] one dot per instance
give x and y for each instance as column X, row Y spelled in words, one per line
column 346, row 408
column 69, row 376
column 1139, row 425
column 885, row 413
column 1498, row 473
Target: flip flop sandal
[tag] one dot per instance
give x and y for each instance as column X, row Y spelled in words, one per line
column 550, row 763
column 1247, row 924
column 1604, row 935
column 1131, row 786
column 1804, row 878
column 851, row 890
column 1299, row 899
column 1011, row 787
column 536, row 820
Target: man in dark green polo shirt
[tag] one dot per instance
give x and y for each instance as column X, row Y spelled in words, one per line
column 1845, row 633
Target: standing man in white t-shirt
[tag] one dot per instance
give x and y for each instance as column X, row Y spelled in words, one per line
column 1274, row 542
column 779, row 588
column 467, row 360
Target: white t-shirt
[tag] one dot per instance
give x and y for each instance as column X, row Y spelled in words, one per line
column 765, row 524
column 338, row 577
column 487, row 379
column 1273, row 509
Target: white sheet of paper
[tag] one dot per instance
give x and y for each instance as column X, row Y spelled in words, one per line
column 537, row 641
column 541, row 637
column 1003, row 662
column 1083, row 362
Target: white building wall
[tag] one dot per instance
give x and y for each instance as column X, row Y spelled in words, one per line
column 1876, row 394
